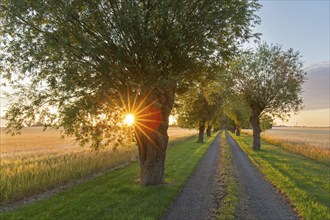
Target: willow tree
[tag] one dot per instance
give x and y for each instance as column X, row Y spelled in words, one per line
column 199, row 108
column 79, row 55
column 237, row 110
column 270, row 80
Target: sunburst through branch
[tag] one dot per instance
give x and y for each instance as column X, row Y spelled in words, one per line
column 139, row 113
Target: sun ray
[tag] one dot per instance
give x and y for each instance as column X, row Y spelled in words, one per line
column 138, row 113
column 146, row 135
column 146, row 107
column 141, row 103
column 115, row 103
column 147, row 114
column 128, row 100
column 146, row 126
column 134, row 101
column 122, row 100
column 137, row 136
column 148, row 120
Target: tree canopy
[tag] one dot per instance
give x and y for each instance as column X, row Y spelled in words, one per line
column 270, row 81
column 237, row 110
column 80, row 57
column 200, row 106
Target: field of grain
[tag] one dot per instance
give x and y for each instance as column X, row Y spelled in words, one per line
column 318, row 137
column 310, row 142
column 36, row 161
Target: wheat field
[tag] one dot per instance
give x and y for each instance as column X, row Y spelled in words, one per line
column 310, row 142
column 36, row 161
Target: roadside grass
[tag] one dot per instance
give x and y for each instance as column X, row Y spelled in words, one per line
column 229, row 188
column 305, row 182
column 39, row 161
column 118, row 194
column 319, row 153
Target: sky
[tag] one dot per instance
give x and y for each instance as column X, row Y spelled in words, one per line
column 303, row 26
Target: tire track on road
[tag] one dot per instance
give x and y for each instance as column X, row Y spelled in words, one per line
column 197, row 198
column 258, row 199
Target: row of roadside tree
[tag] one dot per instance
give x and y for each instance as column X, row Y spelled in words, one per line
column 80, row 65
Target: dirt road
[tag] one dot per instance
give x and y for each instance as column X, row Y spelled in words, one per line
column 196, row 199
column 258, row 199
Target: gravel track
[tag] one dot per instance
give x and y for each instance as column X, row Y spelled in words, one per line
column 196, row 199
column 258, row 199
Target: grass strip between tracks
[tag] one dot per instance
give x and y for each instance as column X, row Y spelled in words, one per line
column 228, row 185
column 305, row 182
column 118, row 195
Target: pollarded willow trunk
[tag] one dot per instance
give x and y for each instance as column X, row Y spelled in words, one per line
column 209, row 130
column 201, row 132
column 152, row 138
column 238, row 130
column 231, row 129
column 255, row 122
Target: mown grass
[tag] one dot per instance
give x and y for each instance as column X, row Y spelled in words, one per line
column 305, row 182
column 118, row 195
column 229, row 186
column 319, row 153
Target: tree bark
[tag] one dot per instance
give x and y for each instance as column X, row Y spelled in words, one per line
column 201, row 132
column 152, row 139
column 255, row 122
column 209, row 130
column 238, row 130
column 231, row 129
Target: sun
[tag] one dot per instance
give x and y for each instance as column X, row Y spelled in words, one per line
column 129, row 119
column 139, row 114
column 172, row 120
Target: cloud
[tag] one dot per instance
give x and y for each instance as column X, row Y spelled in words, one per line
column 316, row 88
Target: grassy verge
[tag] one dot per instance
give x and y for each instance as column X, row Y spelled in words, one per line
column 305, row 182
column 229, row 188
column 118, row 195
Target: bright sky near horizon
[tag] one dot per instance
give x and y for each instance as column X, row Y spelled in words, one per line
column 303, row 26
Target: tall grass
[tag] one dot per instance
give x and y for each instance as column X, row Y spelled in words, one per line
column 23, row 175
column 35, row 161
column 318, row 153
